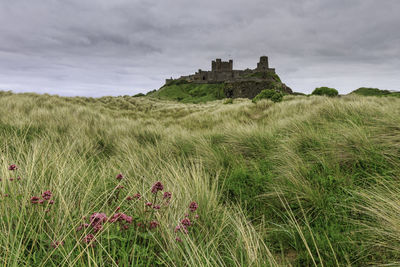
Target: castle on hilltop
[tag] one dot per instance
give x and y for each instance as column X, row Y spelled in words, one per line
column 222, row 71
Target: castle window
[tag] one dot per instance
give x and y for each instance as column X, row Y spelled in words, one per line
column 204, row 77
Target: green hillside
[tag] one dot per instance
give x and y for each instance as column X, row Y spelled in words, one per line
column 189, row 92
column 374, row 92
column 309, row 181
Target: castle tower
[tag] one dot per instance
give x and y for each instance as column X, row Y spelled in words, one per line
column 263, row 64
column 218, row 65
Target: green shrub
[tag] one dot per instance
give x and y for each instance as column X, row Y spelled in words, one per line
column 277, row 97
column 228, row 101
column 269, row 94
column 139, row 95
column 325, row 91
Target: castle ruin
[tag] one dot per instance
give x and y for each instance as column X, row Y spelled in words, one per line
column 222, row 71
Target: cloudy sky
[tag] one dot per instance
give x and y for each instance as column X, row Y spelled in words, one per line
column 118, row 47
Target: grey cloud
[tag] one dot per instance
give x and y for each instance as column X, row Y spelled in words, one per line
column 103, row 47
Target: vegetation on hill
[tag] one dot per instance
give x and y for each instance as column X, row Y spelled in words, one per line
column 325, row 91
column 275, row 96
column 186, row 92
column 307, row 181
column 265, row 75
column 374, row 92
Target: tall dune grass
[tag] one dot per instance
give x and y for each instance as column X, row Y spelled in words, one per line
column 292, row 183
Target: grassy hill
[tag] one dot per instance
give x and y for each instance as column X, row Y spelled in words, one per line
column 364, row 91
column 308, row 181
column 190, row 93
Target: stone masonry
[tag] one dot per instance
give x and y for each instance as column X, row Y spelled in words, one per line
column 222, row 71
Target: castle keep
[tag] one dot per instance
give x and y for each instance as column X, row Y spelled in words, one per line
column 222, row 71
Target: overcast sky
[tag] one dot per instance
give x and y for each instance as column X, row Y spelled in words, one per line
column 118, row 47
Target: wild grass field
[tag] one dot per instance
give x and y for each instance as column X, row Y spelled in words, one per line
column 310, row 181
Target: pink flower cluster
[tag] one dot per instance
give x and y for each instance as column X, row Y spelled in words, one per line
column 144, row 219
column 12, row 167
column 122, row 218
column 89, row 239
column 97, row 220
column 193, row 206
column 185, row 223
column 46, row 197
column 157, row 187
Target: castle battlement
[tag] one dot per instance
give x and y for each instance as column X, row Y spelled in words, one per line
column 222, row 71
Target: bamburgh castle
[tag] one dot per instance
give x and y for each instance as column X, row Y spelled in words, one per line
column 222, row 71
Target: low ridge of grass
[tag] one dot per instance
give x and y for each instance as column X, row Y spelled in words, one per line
column 190, row 92
column 365, row 91
column 308, row 181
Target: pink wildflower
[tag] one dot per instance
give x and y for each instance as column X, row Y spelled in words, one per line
column 51, row 202
column 12, row 167
column 96, row 220
column 11, row 179
column 35, row 200
column 149, row 204
column 157, row 187
column 85, row 225
column 41, row 201
column 177, row 228
column 193, row 206
column 119, row 187
column 129, row 198
column 178, row 239
column 120, row 217
column 18, row 178
column 138, row 196
column 153, row 224
column 46, row 195
column 196, row 216
column 56, row 244
column 97, row 227
column 167, row 195
column 156, row 207
column 125, row 227
column 186, row 222
column 181, row 228
column 89, row 238
column 120, row 176
column 6, row 195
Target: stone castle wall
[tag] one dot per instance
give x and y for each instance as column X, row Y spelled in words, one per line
column 222, row 71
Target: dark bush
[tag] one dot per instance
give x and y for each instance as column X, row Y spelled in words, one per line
column 325, row 91
column 138, row 95
column 277, row 97
column 269, row 94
